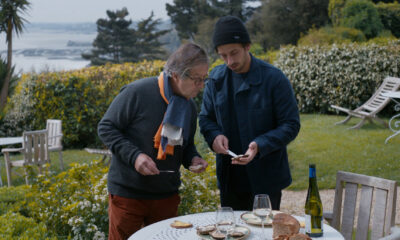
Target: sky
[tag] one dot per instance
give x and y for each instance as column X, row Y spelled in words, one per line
column 74, row 11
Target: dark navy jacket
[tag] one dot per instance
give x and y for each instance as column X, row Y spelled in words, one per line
column 267, row 113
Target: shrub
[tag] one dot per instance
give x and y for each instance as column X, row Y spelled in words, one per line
column 345, row 75
column 330, row 35
column 72, row 203
column 389, row 14
column 199, row 192
column 16, row 226
column 10, row 197
column 362, row 15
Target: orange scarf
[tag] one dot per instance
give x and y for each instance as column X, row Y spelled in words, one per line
column 162, row 155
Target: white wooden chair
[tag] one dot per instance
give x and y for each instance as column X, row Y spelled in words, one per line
column 34, row 152
column 370, row 109
column 378, row 196
column 54, row 128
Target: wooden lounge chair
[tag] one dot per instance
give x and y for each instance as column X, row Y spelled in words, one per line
column 370, row 109
column 376, row 206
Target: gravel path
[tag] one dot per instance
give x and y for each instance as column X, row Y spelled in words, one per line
column 293, row 202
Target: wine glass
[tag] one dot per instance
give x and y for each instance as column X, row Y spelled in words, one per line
column 225, row 221
column 262, row 208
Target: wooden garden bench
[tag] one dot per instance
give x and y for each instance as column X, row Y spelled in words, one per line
column 105, row 152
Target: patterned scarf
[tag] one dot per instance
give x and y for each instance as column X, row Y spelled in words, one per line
column 174, row 129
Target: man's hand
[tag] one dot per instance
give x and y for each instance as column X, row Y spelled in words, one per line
column 197, row 161
column 220, row 144
column 145, row 165
column 251, row 152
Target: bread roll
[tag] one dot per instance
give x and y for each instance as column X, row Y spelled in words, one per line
column 206, row 229
column 180, row 224
column 284, row 224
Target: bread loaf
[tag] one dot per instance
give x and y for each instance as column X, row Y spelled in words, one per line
column 284, row 224
column 299, row 236
column 296, row 236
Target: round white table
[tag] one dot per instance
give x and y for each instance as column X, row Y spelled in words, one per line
column 163, row 231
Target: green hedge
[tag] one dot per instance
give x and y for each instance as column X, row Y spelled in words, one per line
column 79, row 98
column 345, row 75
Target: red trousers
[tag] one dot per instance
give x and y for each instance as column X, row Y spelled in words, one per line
column 127, row 215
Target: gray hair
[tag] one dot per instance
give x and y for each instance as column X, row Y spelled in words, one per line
column 186, row 57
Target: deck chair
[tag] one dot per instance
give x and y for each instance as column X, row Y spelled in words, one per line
column 34, row 152
column 54, row 128
column 373, row 106
column 376, row 195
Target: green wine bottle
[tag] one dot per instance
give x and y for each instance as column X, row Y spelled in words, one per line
column 313, row 207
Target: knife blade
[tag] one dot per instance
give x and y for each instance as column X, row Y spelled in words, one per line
column 166, row 171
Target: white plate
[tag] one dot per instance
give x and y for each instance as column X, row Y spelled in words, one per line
column 238, row 228
column 250, row 218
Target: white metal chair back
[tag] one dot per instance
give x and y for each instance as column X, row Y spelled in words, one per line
column 378, row 196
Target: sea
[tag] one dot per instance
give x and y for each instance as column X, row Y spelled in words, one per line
column 50, row 46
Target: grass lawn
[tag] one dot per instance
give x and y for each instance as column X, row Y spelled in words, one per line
column 333, row 147
column 69, row 156
column 330, row 147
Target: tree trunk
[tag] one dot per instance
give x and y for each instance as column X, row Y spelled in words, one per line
column 4, row 89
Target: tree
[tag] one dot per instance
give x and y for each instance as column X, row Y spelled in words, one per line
column 147, row 39
column 283, row 21
column 10, row 21
column 117, row 42
column 113, row 38
column 362, row 15
column 187, row 15
column 204, row 36
column 3, row 74
column 335, row 10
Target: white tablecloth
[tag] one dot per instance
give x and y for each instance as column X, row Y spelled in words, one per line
column 163, row 231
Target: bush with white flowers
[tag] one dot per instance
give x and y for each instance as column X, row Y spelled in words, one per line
column 345, row 75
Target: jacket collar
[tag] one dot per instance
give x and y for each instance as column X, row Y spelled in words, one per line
column 254, row 80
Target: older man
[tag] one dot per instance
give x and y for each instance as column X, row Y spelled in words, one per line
column 149, row 127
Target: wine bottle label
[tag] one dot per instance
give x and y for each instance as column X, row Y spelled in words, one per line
column 308, row 223
column 313, row 227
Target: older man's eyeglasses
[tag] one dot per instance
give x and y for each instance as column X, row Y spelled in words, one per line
column 198, row 80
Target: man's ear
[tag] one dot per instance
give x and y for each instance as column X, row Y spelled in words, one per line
column 247, row 47
column 174, row 77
